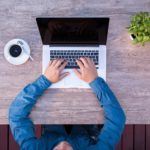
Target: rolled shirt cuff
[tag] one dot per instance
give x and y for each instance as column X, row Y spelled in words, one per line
column 42, row 82
column 97, row 84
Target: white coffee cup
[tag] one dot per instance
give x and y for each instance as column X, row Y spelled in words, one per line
column 17, row 51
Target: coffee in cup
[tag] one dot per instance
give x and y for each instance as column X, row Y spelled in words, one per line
column 15, row 50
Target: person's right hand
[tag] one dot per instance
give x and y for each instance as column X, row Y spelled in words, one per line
column 88, row 72
column 54, row 70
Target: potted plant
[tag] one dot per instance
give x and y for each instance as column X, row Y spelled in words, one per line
column 139, row 28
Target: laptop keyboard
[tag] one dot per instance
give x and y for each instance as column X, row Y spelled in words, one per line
column 72, row 55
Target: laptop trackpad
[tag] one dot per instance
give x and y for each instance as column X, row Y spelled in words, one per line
column 73, row 81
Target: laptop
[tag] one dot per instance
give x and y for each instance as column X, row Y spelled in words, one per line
column 72, row 38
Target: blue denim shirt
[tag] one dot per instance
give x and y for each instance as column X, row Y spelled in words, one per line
column 22, row 126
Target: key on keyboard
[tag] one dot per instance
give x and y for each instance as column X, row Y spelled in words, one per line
column 72, row 55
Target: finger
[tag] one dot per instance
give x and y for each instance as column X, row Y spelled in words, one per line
column 80, row 64
column 50, row 62
column 59, row 62
column 48, row 65
column 84, row 61
column 90, row 61
column 63, row 75
column 54, row 62
column 63, row 65
column 77, row 72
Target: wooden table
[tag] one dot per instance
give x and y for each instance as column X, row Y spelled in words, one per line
column 128, row 65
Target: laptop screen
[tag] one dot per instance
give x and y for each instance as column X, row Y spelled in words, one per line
column 73, row 30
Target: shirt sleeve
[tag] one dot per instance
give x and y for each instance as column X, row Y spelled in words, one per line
column 114, row 115
column 22, row 127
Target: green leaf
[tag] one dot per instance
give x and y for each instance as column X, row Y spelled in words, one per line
column 146, row 38
column 140, row 26
column 139, row 38
column 135, row 41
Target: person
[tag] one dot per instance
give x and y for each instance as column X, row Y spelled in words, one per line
column 55, row 137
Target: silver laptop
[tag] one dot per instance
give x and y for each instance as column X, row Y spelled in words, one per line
column 72, row 38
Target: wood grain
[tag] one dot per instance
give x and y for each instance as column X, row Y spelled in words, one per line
column 139, row 137
column 128, row 69
column 3, row 137
column 38, row 130
column 147, row 137
column 13, row 145
column 127, row 138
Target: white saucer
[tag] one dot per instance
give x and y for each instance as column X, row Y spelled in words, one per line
column 22, row 58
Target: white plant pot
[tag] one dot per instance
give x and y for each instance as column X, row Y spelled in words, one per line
column 132, row 37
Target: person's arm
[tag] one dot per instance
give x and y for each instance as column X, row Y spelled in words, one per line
column 114, row 116
column 22, row 127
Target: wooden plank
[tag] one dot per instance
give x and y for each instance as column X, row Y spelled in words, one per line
column 134, row 137
column 38, row 130
column 3, row 137
column 147, row 137
column 127, row 138
column 12, row 143
column 139, row 137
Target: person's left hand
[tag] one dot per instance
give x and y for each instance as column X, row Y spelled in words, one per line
column 54, row 69
column 88, row 72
